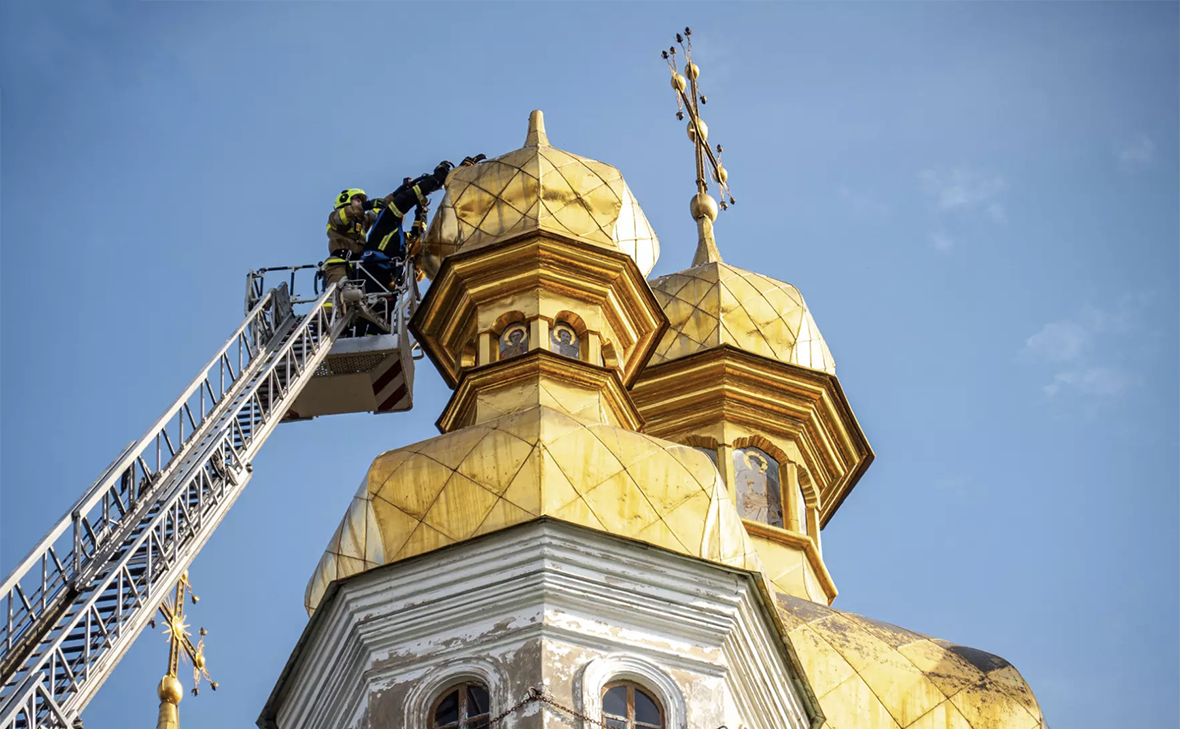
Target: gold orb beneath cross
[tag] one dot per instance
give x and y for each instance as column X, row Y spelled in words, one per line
column 703, row 206
column 170, row 690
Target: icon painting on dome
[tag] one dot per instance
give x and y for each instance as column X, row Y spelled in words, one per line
column 563, row 340
column 514, row 341
column 759, row 496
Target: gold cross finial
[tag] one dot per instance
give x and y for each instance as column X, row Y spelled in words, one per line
column 689, row 99
column 180, row 645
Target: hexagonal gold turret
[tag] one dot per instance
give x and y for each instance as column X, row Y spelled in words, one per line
column 558, row 290
column 743, row 373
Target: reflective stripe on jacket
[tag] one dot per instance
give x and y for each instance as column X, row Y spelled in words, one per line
column 348, row 233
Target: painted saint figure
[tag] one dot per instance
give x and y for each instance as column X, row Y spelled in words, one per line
column 564, row 340
column 759, row 496
column 514, row 341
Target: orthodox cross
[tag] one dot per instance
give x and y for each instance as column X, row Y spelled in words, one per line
column 176, row 631
column 689, row 99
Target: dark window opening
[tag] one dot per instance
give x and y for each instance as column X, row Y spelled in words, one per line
column 629, row 706
column 465, row 706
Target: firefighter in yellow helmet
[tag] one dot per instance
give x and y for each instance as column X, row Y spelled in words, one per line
column 348, row 224
column 369, row 232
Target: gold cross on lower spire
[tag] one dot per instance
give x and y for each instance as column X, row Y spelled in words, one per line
column 180, row 645
column 688, row 99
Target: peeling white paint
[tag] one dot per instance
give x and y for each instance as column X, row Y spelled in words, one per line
column 542, row 604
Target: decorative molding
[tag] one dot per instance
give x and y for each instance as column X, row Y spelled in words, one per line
column 603, row 670
column 727, row 385
column 526, row 267
column 804, row 543
column 538, row 365
column 537, row 604
column 699, row 441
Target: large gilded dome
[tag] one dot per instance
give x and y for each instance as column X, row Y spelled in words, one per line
column 538, row 187
column 872, row 675
column 715, row 304
column 524, row 466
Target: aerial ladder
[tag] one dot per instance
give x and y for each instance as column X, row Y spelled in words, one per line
column 73, row 606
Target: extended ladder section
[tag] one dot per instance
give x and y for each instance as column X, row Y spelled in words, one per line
column 70, row 610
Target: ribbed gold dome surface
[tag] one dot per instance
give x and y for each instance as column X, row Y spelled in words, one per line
column 535, row 463
column 872, row 675
column 714, row 304
column 538, row 188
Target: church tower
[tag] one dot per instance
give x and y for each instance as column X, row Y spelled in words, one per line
column 542, row 562
column 619, row 525
column 743, row 374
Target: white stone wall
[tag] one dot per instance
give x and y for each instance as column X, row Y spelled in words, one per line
column 543, row 604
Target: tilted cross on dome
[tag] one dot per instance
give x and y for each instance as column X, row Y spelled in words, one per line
column 703, row 207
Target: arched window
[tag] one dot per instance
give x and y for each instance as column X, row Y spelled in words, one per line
column 759, row 495
column 514, row 340
column 461, row 707
column 629, row 706
column 563, row 340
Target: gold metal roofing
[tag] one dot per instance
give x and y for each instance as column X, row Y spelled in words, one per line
column 872, row 675
column 539, row 187
column 534, row 463
column 714, row 304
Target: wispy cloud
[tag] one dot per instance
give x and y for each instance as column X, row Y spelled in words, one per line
column 960, row 196
column 964, row 191
column 1059, row 341
column 1099, row 381
column 1079, row 349
column 1138, row 153
column 863, row 203
column 941, row 241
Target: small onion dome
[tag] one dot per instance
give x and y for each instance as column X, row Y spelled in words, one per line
column 538, row 188
column 714, row 304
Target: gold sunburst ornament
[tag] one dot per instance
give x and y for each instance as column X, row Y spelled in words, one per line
column 180, row 646
column 689, row 99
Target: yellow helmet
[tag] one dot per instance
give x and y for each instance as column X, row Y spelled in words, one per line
column 346, row 196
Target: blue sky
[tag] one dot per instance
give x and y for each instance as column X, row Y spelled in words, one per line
column 978, row 200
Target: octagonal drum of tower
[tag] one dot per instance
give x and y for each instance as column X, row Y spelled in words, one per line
column 538, row 187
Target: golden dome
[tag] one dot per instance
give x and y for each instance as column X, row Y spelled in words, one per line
column 535, row 463
column 714, row 304
column 538, row 187
column 872, row 675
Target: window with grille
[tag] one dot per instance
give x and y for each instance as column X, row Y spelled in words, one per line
column 629, row 706
column 461, row 707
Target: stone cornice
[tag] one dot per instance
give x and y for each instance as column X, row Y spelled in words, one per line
column 727, row 384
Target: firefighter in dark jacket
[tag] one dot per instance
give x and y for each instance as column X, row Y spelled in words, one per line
column 385, row 250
